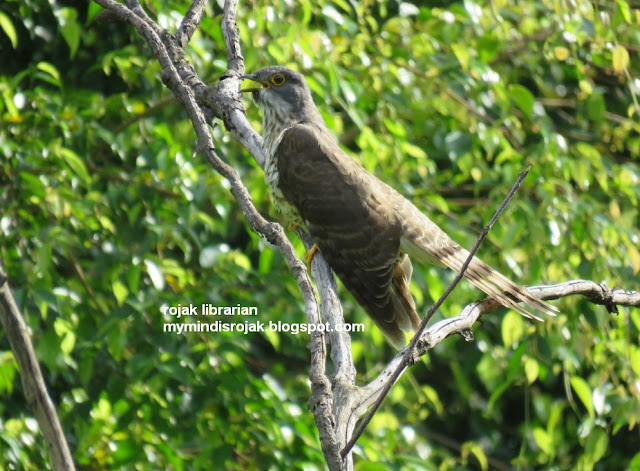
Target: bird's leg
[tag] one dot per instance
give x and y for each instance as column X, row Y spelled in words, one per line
column 309, row 257
column 311, row 252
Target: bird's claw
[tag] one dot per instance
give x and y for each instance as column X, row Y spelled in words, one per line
column 309, row 257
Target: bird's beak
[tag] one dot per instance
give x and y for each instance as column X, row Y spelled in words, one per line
column 265, row 85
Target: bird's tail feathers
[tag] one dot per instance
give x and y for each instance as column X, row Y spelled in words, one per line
column 496, row 285
column 493, row 283
column 404, row 306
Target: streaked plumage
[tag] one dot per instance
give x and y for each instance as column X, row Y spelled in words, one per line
column 364, row 228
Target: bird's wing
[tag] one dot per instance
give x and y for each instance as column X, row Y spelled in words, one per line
column 361, row 240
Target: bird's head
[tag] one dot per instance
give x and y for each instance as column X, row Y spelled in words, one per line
column 283, row 92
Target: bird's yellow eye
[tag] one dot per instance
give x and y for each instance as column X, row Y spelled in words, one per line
column 278, row 79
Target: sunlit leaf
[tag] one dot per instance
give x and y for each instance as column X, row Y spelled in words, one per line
column 543, row 440
column 620, row 58
column 625, row 10
column 583, row 391
column 512, row 329
column 523, row 99
column 561, row 53
column 70, row 28
column 531, row 370
column 7, row 26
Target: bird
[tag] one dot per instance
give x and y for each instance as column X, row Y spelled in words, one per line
column 367, row 231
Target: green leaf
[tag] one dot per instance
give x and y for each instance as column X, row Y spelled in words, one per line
column 50, row 70
column 434, row 284
column 596, row 107
column 512, row 329
column 457, row 144
column 583, row 391
column 596, row 445
column 413, row 150
column 69, row 27
column 531, row 370
column 275, row 50
column 7, row 26
column 125, row 451
column 495, row 395
column 120, row 291
column 523, row 99
column 634, row 464
column 432, row 397
column 461, row 52
column 7, row 98
column 395, row 128
column 488, row 48
column 8, row 369
column 555, row 418
column 625, row 11
column 543, row 440
column 620, row 59
column 75, row 163
column 589, row 152
column 266, row 261
column 477, row 451
column 116, row 341
column 65, row 331
column 634, row 359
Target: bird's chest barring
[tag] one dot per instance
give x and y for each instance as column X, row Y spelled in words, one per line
column 272, row 177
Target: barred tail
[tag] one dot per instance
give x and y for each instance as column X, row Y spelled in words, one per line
column 430, row 244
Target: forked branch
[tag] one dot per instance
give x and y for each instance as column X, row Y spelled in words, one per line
column 337, row 403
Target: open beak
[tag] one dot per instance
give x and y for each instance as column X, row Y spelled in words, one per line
column 265, row 85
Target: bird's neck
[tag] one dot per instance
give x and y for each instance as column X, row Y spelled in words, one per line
column 276, row 120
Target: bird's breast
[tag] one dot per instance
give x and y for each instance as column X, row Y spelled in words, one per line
column 272, row 177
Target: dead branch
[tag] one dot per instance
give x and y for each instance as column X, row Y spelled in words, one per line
column 337, row 404
column 35, row 390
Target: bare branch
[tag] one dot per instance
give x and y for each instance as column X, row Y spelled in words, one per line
column 597, row 293
column 35, row 390
column 462, row 323
column 135, row 7
column 225, row 102
column 333, row 434
column 231, row 34
column 190, row 22
column 337, row 404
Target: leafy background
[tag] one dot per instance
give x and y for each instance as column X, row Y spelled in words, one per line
column 106, row 216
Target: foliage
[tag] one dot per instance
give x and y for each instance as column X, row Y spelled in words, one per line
column 106, row 217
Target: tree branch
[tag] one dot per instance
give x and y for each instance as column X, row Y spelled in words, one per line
column 337, row 404
column 190, row 22
column 35, row 390
column 224, row 101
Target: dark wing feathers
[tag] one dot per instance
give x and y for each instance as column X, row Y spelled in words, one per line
column 361, row 240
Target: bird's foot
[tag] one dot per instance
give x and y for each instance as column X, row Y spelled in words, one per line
column 309, row 257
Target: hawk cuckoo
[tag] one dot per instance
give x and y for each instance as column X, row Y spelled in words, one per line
column 364, row 228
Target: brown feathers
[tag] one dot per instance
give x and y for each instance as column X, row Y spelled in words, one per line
column 365, row 229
